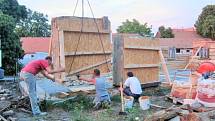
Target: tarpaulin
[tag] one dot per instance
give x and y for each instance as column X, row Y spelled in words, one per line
column 206, row 67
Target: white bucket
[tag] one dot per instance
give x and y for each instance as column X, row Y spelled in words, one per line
column 144, row 102
column 128, row 101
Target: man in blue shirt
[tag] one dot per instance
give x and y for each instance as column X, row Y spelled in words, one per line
column 102, row 95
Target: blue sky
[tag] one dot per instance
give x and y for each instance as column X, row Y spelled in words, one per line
column 170, row 13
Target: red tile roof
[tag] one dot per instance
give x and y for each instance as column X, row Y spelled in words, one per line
column 184, row 38
column 35, row 44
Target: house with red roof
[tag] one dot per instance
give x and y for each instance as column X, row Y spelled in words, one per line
column 35, row 44
column 181, row 46
column 35, row 48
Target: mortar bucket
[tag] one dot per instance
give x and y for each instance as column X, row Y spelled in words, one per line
column 144, row 102
column 128, row 100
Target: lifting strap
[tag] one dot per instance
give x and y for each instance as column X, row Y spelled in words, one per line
column 79, row 38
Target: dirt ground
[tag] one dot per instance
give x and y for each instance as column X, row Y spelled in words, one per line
column 79, row 110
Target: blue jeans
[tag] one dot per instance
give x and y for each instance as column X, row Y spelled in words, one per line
column 30, row 79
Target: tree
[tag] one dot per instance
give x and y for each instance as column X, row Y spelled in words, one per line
column 165, row 33
column 12, row 8
column 10, row 13
column 205, row 23
column 10, row 44
column 135, row 27
column 35, row 25
column 208, row 27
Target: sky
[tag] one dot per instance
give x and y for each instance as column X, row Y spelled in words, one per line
column 170, row 13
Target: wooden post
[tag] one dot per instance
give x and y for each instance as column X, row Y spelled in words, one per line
column 62, row 55
column 50, row 46
column 117, row 59
column 165, row 70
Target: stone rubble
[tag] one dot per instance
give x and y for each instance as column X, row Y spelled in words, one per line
column 5, row 94
column 8, row 113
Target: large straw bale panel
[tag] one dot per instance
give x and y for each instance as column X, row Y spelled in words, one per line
column 139, row 55
column 77, row 48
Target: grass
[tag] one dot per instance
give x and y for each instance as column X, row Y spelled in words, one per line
column 158, row 91
column 80, row 107
column 81, row 102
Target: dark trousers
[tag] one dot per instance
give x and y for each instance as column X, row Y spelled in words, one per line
column 206, row 75
column 128, row 92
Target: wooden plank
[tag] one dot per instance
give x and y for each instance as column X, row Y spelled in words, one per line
column 87, row 53
column 2, row 118
column 85, row 61
column 164, row 67
column 145, row 75
column 154, row 83
column 55, row 47
column 193, row 58
column 50, row 46
column 117, row 59
column 88, row 67
column 135, row 56
column 141, row 66
column 73, row 24
column 142, row 48
column 62, row 56
column 85, row 31
column 88, row 42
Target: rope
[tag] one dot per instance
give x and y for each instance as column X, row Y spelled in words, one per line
column 75, row 7
column 79, row 38
column 99, row 35
column 94, row 19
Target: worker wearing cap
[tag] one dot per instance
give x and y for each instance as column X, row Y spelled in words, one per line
column 28, row 74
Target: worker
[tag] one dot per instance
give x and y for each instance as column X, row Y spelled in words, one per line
column 28, row 74
column 205, row 69
column 132, row 86
column 102, row 98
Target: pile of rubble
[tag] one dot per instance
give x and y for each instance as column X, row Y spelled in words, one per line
column 8, row 108
column 187, row 112
column 10, row 102
column 5, row 94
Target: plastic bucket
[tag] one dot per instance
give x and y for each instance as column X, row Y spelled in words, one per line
column 144, row 102
column 128, row 100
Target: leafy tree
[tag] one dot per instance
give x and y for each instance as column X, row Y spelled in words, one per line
column 208, row 27
column 35, row 25
column 205, row 23
column 10, row 43
column 135, row 27
column 165, row 33
column 10, row 13
column 12, row 8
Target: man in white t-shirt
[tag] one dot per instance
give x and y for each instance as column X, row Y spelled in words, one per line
column 132, row 86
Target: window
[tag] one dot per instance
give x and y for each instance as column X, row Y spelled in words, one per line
column 178, row 50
